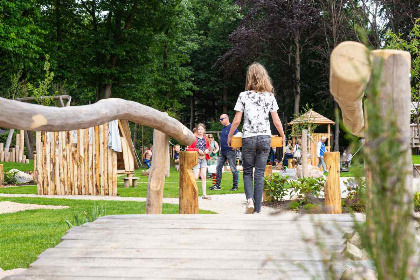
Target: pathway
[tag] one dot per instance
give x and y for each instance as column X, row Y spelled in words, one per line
column 192, row 247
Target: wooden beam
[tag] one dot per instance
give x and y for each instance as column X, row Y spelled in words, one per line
column 349, row 74
column 20, row 115
column 304, row 153
column 157, row 173
column 188, row 191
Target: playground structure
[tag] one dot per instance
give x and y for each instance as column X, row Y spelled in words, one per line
column 19, row 115
column 81, row 162
column 312, row 118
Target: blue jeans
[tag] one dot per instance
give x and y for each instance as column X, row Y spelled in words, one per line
column 147, row 162
column 255, row 151
column 230, row 156
column 321, row 161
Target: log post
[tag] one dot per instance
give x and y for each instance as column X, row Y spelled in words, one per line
column 157, row 173
column 1, row 175
column 304, row 153
column 188, row 191
column 349, row 73
column 332, row 186
column 22, row 146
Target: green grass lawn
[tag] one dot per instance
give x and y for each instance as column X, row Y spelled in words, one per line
column 21, row 166
column 25, row 235
column 171, row 188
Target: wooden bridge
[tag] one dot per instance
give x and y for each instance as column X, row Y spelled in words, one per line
column 193, row 247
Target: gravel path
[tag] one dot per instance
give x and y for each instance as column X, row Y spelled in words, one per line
column 11, row 207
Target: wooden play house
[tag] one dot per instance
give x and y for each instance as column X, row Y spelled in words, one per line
column 312, row 118
column 80, row 162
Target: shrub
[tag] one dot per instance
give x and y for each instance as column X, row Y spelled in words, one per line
column 294, row 205
column 356, row 197
column 306, row 188
column 276, row 187
column 9, row 177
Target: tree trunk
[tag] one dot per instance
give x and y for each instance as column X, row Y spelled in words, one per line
column 192, row 110
column 107, row 90
column 29, row 144
column 9, row 140
column 225, row 94
column 297, row 74
column 165, row 57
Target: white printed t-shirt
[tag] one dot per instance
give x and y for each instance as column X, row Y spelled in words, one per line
column 256, row 107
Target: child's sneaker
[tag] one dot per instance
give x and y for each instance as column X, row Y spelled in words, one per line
column 249, row 206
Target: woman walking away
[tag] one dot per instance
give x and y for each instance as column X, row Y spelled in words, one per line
column 202, row 146
column 255, row 103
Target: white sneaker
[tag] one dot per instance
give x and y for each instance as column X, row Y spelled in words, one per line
column 249, row 206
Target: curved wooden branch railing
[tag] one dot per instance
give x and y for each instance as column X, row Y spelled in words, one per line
column 19, row 115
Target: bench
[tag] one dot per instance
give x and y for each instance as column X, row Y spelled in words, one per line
column 130, row 181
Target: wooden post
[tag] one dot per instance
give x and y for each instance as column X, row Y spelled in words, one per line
column 267, row 173
column 1, row 175
column 157, row 173
column 304, row 153
column 188, row 191
column 332, row 186
column 329, row 138
column 22, row 145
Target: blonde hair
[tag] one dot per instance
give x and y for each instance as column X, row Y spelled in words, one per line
column 257, row 79
column 202, row 125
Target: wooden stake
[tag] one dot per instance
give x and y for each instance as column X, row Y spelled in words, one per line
column 188, row 191
column 22, row 145
column 332, row 186
column 267, row 173
column 157, row 173
column 304, row 153
column 1, row 175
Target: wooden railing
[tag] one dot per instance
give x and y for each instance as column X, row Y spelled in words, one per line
column 24, row 116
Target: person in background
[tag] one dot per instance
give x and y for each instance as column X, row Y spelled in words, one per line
column 214, row 149
column 320, row 150
column 256, row 103
column 176, row 156
column 147, row 156
column 226, row 154
column 297, row 152
column 288, row 153
column 202, row 146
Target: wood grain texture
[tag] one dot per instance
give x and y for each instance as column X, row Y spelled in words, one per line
column 188, row 191
column 179, row 247
column 20, row 115
column 157, row 173
column 332, row 186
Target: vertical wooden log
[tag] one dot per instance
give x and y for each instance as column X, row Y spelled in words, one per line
column 304, row 153
column 157, row 173
column 1, row 152
column 61, row 144
column 86, row 160
column 22, row 145
column 43, row 163
column 48, row 162
column 332, row 186
column 56, row 165
column 69, row 150
column 65, row 163
column 267, row 173
column 1, row 175
column 13, row 153
column 35, row 175
column 78, row 163
column 114, row 173
column 101, row 160
column 97, row 161
column 188, row 191
column 91, row 164
column 105, row 158
column 17, row 148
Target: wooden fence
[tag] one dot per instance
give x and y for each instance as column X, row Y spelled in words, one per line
column 15, row 154
column 87, row 167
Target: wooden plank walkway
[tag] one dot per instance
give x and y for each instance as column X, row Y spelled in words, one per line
column 192, row 247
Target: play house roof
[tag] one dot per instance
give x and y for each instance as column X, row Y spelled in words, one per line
column 311, row 117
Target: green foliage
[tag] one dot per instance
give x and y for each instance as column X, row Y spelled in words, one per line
column 417, row 201
column 294, row 205
column 308, row 124
column 356, row 195
column 276, row 187
column 43, row 89
column 85, row 217
column 306, row 188
column 9, row 177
